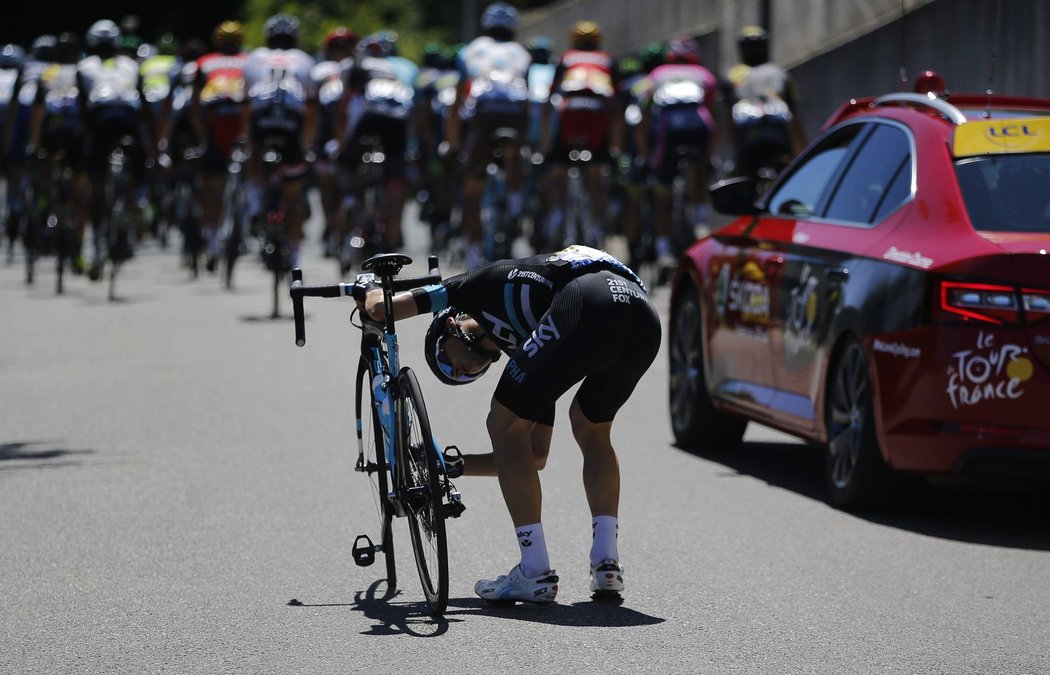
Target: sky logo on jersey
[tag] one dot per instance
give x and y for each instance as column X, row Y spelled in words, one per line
column 544, row 333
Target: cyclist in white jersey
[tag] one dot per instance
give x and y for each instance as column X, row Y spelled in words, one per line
column 281, row 111
column 492, row 93
column 110, row 89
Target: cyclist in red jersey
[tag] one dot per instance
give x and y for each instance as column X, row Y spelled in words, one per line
column 583, row 92
column 218, row 93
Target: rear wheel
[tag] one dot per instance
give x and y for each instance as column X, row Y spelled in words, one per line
column 420, row 469
column 695, row 422
column 857, row 476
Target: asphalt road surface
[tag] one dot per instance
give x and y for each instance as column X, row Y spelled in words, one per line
column 174, row 472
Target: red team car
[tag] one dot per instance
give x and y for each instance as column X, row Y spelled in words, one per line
column 888, row 297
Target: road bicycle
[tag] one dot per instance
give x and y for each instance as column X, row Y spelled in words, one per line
column 276, row 249
column 233, row 218
column 120, row 217
column 499, row 229
column 361, row 218
column 395, row 444
column 50, row 228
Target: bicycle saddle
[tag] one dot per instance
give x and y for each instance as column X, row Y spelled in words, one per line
column 386, row 264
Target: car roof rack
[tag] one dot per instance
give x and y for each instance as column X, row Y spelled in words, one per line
column 946, row 110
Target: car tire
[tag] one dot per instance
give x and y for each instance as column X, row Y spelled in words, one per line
column 695, row 422
column 857, row 476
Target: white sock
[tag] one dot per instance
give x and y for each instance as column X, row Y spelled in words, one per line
column 534, row 560
column 603, row 542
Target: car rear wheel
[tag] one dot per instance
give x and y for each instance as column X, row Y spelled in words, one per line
column 695, row 422
column 857, row 476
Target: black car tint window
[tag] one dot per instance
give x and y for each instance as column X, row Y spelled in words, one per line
column 869, row 176
column 799, row 195
column 1009, row 193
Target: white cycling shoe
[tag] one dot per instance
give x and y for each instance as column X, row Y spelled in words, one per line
column 515, row 586
column 607, row 578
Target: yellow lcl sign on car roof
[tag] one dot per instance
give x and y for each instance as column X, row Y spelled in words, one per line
column 997, row 137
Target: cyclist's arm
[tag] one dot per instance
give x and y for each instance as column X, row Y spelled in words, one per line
column 405, row 304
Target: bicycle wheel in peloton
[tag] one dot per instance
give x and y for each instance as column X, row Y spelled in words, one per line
column 420, row 490
column 372, row 445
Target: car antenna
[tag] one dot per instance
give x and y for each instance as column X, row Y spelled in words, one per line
column 995, row 56
column 902, row 73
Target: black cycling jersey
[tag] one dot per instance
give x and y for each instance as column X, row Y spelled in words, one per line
column 575, row 315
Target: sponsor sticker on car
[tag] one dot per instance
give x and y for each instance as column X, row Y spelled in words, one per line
column 1001, row 136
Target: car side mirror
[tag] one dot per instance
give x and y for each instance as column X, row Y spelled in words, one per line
column 734, row 196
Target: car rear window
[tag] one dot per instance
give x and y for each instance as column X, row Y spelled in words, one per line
column 1006, row 193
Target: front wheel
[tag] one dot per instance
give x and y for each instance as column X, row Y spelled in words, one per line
column 695, row 421
column 857, row 476
column 420, row 469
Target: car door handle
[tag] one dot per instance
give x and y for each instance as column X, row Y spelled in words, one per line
column 837, row 273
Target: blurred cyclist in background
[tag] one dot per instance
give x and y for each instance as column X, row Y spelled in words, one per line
column 110, row 88
column 281, row 116
column 767, row 129
column 492, row 94
column 677, row 134
column 435, row 93
column 12, row 57
column 57, row 129
column 328, row 77
column 215, row 112
column 583, row 91
column 540, row 77
column 377, row 103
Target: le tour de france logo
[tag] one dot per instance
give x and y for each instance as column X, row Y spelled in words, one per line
column 989, row 372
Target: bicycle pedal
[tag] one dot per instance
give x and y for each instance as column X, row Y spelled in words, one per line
column 455, row 506
column 364, row 554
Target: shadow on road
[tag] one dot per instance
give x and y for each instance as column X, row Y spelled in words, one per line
column 35, row 455
column 1009, row 514
column 391, row 617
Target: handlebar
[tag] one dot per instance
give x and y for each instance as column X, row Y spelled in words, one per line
column 385, row 266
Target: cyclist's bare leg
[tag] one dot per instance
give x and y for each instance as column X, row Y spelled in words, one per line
column 393, row 212
column 473, row 186
column 485, row 464
column 291, row 194
column 519, row 478
column 211, row 204
column 601, row 469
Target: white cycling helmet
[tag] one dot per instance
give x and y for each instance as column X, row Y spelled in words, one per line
column 103, row 32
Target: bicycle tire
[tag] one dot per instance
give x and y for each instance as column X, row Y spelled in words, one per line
column 373, row 447
column 418, row 467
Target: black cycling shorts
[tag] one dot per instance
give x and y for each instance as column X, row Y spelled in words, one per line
column 112, row 126
column 392, row 134
column 601, row 329
column 481, row 131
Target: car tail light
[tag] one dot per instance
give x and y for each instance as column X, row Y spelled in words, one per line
column 1036, row 304
column 989, row 303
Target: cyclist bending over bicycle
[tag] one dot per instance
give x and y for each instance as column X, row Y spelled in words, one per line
column 578, row 315
column 677, row 134
column 492, row 93
column 281, row 112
